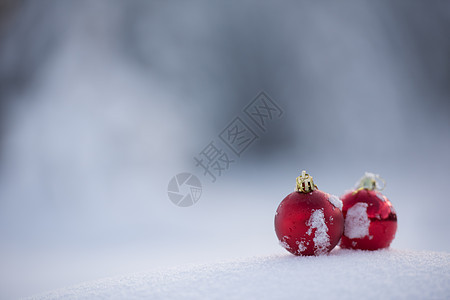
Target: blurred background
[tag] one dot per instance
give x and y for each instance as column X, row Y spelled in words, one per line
column 103, row 102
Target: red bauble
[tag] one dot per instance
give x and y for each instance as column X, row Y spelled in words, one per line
column 370, row 219
column 309, row 223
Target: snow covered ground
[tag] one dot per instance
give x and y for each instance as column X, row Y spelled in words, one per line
column 344, row 274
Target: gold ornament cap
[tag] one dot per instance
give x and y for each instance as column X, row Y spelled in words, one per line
column 305, row 183
column 371, row 182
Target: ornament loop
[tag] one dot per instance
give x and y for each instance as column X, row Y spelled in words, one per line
column 305, row 183
column 370, row 181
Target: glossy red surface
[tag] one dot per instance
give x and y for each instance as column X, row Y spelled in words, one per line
column 382, row 216
column 294, row 229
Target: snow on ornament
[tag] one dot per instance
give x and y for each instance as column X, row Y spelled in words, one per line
column 309, row 221
column 370, row 218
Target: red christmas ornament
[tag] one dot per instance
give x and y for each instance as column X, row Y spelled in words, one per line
column 309, row 221
column 370, row 218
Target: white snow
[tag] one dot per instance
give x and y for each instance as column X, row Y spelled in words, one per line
column 321, row 238
column 283, row 242
column 301, row 246
column 344, row 274
column 335, row 201
column 357, row 222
